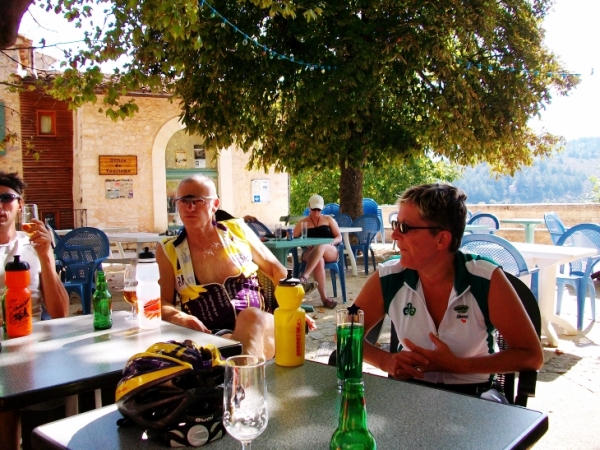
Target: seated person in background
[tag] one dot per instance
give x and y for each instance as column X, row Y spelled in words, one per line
column 46, row 287
column 316, row 256
column 436, row 296
column 211, row 268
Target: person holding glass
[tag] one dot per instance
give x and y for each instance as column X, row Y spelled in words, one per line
column 445, row 304
column 315, row 257
column 211, row 269
column 47, row 291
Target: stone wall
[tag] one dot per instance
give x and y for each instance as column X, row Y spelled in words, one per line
column 570, row 213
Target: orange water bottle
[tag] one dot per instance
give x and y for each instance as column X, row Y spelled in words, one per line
column 290, row 322
column 17, row 298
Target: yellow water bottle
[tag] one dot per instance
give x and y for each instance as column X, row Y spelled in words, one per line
column 290, row 322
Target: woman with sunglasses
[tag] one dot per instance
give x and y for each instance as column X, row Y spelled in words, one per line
column 316, row 256
column 444, row 304
column 46, row 287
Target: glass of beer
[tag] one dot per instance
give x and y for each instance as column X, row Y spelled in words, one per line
column 29, row 212
column 129, row 288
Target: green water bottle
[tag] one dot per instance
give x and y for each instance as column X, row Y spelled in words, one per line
column 102, row 303
column 352, row 432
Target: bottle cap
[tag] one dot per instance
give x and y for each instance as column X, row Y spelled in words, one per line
column 146, row 256
column 17, row 264
column 289, row 281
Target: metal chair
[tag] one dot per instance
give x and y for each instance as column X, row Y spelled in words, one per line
column 331, row 209
column 555, row 226
column 516, row 392
column 334, row 268
column 580, row 271
column 503, row 252
column 343, row 220
column 80, row 253
column 370, row 227
column 484, row 219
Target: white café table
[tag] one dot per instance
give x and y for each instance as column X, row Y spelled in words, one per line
column 105, row 229
column 303, row 407
column 347, row 248
column 548, row 258
column 529, row 225
column 137, row 238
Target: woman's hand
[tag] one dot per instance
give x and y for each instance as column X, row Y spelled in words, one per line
column 312, row 325
column 406, row 365
column 439, row 360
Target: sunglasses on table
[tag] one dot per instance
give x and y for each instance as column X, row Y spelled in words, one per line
column 405, row 228
column 188, row 200
column 9, row 198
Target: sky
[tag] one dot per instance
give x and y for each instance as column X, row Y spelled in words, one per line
column 571, row 33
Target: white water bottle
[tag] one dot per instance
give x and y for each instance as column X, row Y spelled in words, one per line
column 148, row 291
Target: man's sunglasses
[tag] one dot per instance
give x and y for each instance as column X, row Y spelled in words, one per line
column 405, row 228
column 9, row 198
column 191, row 200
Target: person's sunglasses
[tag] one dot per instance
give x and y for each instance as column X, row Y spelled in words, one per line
column 405, row 228
column 188, row 200
column 315, row 209
column 9, row 198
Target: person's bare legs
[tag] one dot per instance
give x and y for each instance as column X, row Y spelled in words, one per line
column 10, row 430
column 256, row 331
column 315, row 259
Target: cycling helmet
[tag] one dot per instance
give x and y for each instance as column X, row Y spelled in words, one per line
column 175, row 388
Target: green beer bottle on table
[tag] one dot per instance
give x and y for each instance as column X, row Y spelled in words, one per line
column 352, row 432
column 102, row 303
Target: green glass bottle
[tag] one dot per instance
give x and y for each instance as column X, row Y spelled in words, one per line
column 352, row 432
column 102, row 303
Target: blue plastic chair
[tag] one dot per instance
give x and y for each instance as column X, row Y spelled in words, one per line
column 331, row 209
column 580, row 271
column 369, row 206
column 80, row 253
column 503, row 252
column 343, row 220
column 555, row 226
column 306, row 211
column 334, row 268
column 393, row 219
column 484, row 219
column 370, row 227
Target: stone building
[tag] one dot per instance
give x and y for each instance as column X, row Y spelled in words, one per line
column 85, row 168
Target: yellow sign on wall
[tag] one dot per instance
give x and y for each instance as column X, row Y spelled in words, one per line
column 117, row 165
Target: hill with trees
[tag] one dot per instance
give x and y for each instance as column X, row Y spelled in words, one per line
column 570, row 176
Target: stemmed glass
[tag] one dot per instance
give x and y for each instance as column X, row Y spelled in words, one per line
column 129, row 290
column 245, row 414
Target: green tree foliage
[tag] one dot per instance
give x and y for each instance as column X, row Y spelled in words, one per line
column 381, row 184
column 362, row 83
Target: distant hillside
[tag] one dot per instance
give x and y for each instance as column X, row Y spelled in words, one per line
column 562, row 178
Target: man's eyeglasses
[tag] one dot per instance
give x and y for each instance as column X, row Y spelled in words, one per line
column 191, row 200
column 405, row 228
column 9, row 198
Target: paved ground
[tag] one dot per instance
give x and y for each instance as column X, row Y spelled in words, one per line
column 568, row 387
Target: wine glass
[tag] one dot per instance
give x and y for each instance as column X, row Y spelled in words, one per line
column 245, row 414
column 29, row 212
column 129, row 290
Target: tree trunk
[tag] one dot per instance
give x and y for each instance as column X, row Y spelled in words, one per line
column 351, row 191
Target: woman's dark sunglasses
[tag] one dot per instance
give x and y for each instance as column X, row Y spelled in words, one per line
column 9, row 198
column 315, row 209
column 405, row 228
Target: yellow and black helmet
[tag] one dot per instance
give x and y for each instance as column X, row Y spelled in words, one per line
column 173, row 383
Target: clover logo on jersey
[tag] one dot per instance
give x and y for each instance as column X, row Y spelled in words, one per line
column 409, row 310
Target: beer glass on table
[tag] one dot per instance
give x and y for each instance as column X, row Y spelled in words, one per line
column 129, row 290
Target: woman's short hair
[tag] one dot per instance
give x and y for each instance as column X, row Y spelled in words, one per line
column 441, row 205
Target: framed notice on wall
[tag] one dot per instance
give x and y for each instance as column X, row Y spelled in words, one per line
column 118, row 189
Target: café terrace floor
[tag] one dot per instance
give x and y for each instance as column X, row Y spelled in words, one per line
column 568, row 387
